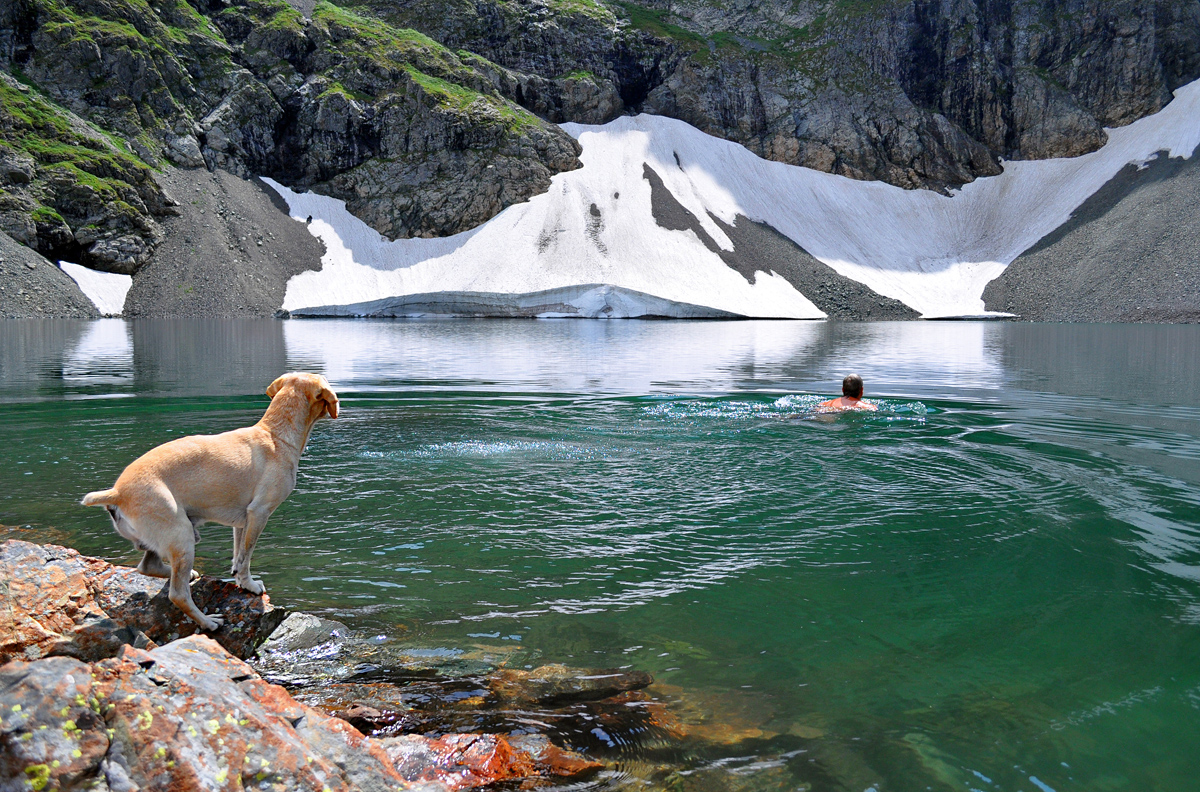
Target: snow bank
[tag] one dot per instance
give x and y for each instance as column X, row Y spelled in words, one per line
column 595, row 226
column 106, row 290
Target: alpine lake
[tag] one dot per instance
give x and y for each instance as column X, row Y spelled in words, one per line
column 991, row 583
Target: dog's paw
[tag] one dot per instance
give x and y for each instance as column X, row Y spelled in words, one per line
column 210, row 623
column 195, row 576
column 252, row 585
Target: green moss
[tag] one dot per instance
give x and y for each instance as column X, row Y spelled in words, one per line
column 459, row 98
column 44, row 214
column 64, row 152
column 580, row 74
column 588, row 8
column 654, row 20
column 338, row 88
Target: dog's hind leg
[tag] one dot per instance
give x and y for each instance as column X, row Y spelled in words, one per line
column 181, row 591
column 153, row 566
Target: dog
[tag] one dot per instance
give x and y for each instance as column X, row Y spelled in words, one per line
column 235, row 478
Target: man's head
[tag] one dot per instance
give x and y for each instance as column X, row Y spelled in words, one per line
column 852, row 386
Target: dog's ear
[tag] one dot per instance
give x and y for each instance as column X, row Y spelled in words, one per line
column 331, row 401
column 274, row 387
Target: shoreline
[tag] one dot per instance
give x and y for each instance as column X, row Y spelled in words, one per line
column 296, row 700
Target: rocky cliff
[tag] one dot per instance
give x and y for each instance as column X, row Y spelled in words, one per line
column 918, row 93
column 98, row 96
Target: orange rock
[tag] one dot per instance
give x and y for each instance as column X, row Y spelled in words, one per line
column 58, row 602
column 45, row 594
column 459, row 761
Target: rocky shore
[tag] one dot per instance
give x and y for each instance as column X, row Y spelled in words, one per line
column 106, row 686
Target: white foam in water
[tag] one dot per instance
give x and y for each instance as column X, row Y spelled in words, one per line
column 936, row 253
column 106, row 290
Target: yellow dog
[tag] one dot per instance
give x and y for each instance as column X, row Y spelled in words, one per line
column 235, row 478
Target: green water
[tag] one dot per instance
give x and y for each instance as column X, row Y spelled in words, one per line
column 993, row 583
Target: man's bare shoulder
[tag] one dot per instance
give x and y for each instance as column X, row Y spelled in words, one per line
column 842, row 403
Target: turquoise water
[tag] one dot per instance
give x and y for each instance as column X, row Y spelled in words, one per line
column 993, row 583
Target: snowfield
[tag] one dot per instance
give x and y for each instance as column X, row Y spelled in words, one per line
column 106, row 290
column 590, row 245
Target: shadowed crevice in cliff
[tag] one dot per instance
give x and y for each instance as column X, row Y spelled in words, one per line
column 758, row 247
column 1128, row 253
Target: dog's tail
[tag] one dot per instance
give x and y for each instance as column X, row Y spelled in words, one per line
column 106, row 497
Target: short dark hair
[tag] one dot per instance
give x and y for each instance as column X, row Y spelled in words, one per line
column 852, row 385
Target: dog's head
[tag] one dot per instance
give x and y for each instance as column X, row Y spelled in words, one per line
column 313, row 387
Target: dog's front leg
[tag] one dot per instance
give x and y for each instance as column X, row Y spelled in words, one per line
column 256, row 520
column 236, row 570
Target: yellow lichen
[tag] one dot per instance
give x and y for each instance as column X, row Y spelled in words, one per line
column 39, row 776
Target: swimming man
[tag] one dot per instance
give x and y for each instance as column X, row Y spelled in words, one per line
column 851, row 399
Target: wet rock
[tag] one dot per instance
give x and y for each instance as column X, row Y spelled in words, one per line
column 371, row 707
column 55, row 601
column 562, row 705
column 551, row 760
column 351, row 657
column 303, row 631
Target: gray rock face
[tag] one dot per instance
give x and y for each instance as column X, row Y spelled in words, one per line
column 1128, row 254
column 919, row 94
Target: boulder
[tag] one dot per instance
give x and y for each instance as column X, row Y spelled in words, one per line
column 55, row 601
column 187, row 716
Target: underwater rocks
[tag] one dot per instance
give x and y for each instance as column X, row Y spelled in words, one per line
column 56, row 601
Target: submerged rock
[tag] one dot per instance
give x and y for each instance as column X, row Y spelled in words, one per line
column 558, row 684
column 58, row 602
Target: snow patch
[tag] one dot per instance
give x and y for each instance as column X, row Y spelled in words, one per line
column 106, row 290
column 594, row 226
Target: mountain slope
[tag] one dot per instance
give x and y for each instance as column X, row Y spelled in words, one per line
column 1129, row 253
